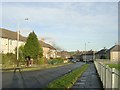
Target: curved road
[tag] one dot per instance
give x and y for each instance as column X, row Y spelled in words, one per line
column 35, row 79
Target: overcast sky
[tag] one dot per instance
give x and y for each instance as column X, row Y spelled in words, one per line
column 69, row 25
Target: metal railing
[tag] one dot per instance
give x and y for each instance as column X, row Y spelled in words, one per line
column 110, row 77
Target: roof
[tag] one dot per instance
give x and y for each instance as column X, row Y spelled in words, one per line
column 13, row 35
column 63, row 54
column 43, row 44
column 87, row 52
column 114, row 48
column 102, row 51
column 90, row 53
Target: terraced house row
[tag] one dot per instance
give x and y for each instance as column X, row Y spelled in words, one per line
column 8, row 43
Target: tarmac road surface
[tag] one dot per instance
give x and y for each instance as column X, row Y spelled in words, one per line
column 35, row 79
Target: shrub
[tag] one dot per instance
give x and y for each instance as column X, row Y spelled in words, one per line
column 55, row 61
column 8, row 59
column 41, row 60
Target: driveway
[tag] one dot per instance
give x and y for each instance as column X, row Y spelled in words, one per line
column 35, row 79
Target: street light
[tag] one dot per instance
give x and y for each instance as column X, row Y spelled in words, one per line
column 17, row 48
column 85, row 52
column 18, row 36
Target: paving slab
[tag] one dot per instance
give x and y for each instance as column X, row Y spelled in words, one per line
column 89, row 80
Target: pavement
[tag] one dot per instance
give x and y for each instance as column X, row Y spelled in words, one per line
column 35, row 79
column 89, row 80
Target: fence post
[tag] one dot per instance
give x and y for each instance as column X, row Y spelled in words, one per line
column 105, row 77
column 113, row 78
column 110, row 70
column 110, row 77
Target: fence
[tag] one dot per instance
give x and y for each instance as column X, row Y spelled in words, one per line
column 110, row 77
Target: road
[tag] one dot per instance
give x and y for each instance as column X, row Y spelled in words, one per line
column 35, row 79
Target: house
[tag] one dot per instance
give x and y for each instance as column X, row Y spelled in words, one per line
column 48, row 50
column 88, row 56
column 77, row 55
column 101, row 54
column 8, row 41
column 63, row 54
column 84, row 55
column 114, row 53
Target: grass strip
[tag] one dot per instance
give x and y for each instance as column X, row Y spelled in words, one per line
column 117, row 66
column 37, row 68
column 69, row 79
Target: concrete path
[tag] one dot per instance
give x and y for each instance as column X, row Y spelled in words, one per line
column 89, row 80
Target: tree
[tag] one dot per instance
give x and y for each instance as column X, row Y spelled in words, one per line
column 40, row 55
column 32, row 47
column 103, row 57
column 40, row 51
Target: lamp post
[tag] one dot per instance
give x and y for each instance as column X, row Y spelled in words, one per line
column 18, row 47
column 86, row 51
column 94, row 56
column 18, row 37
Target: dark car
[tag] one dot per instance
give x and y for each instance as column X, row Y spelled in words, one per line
column 73, row 60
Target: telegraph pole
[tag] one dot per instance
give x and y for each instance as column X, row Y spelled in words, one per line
column 18, row 37
column 18, row 46
column 85, row 52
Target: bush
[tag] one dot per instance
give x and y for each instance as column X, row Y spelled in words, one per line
column 41, row 60
column 55, row 61
column 103, row 57
column 8, row 59
column 117, row 66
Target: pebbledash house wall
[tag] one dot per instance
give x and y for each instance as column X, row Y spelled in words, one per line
column 9, row 45
column 115, row 56
column 47, row 53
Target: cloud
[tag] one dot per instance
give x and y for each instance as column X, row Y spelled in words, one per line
column 60, row 0
column 63, row 22
column 58, row 16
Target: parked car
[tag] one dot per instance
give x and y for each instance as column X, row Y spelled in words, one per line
column 73, row 60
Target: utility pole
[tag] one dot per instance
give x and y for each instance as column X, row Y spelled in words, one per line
column 85, row 52
column 18, row 37
column 18, row 46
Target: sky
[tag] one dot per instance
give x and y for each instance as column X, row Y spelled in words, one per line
column 69, row 25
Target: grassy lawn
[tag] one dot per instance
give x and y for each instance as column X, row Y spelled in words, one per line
column 41, row 67
column 117, row 66
column 69, row 79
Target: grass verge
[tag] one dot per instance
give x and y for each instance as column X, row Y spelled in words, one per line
column 47, row 66
column 117, row 66
column 69, row 79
